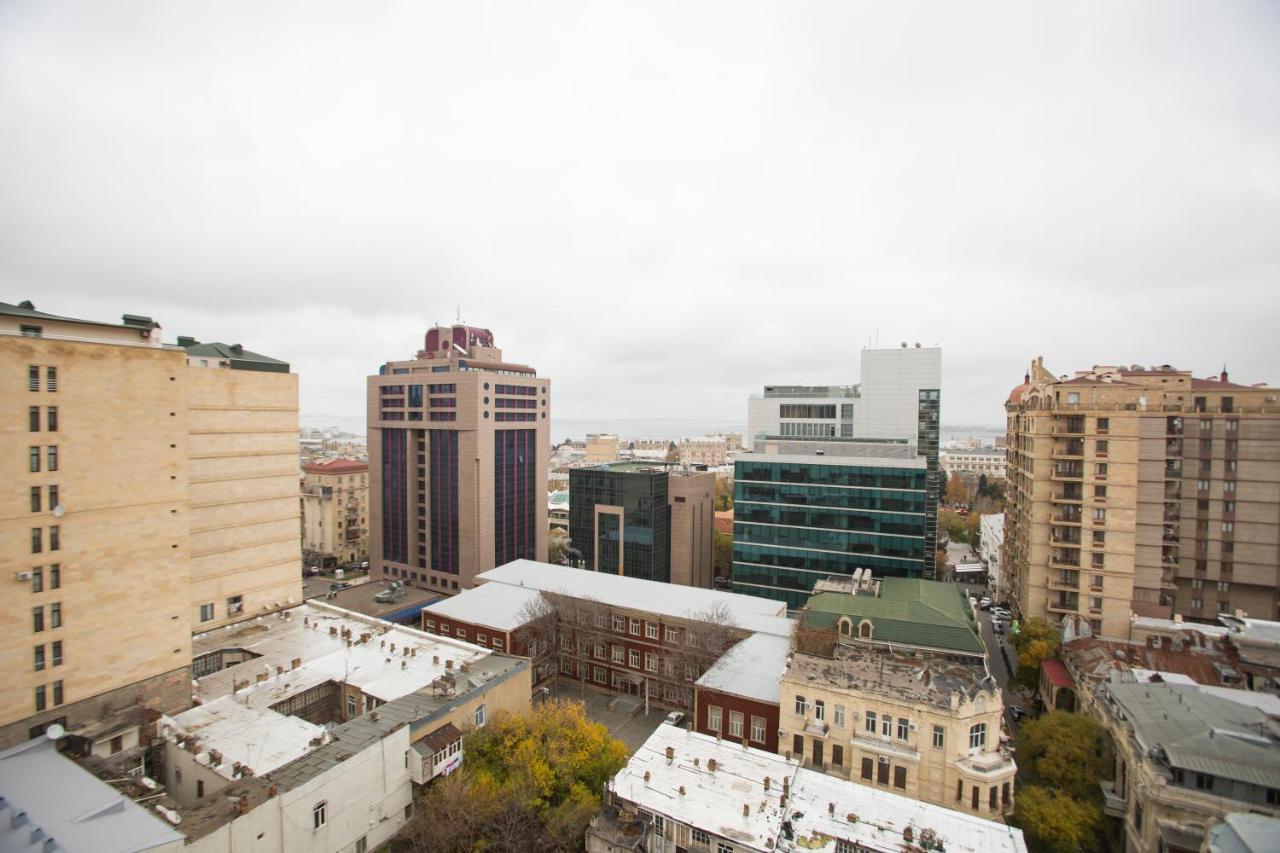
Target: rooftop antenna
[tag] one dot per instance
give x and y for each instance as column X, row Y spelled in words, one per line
column 459, row 314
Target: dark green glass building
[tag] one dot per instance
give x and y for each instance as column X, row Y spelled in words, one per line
column 620, row 520
column 807, row 510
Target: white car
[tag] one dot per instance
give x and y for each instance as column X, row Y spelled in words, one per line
column 675, row 718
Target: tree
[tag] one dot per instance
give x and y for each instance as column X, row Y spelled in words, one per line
column 724, row 493
column 1055, row 822
column 973, row 527
column 982, row 486
column 530, row 782
column 1065, row 751
column 957, row 491
column 953, row 524
column 723, row 554
column 1036, row 640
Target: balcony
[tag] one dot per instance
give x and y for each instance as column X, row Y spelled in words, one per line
column 1073, row 449
column 1173, row 426
column 987, row 764
column 1173, row 472
column 1066, row 518
column 1067, row 472
column 1065, row 536
column 1064, row 586
column 1061, row 606
column 1113, row 804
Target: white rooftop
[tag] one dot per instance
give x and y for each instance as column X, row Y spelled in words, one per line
column 748, row 612
column 373, row 666
column 72, row 806
column 752, row 668
column 882, row 817
column 497, row 605
column 257, row 737
column 1151, row 623
column 714, row 801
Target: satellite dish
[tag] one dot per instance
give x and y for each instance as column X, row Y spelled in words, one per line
column 59, row 511
column 54, row 732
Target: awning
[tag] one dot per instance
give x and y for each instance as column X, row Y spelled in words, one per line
column 970, row 568
column 1056, row 673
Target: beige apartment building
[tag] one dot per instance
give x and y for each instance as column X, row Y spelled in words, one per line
column 242, row 425
column 1145, row 491
column 602, row 448
column 335, row 511
column 710, row 451
column 126, row 466
column 888, row 686
column 458, row 450
column 96, row 621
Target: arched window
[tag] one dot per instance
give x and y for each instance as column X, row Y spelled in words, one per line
column 846, row 627
column 865, row 628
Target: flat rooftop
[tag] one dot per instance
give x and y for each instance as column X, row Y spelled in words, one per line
column 71, row 805
column 312, row 634
column 256, row 737
column 714, row 801
column 360, row 599
column 495, row 605
column 753, row 668
column 904, row 677
column 748, row 612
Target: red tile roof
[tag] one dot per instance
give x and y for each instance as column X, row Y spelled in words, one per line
column 336, row 466
column 1217, row 385
column 1057, row 673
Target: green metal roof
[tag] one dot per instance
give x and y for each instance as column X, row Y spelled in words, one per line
column 27, row 310
column 907, row 610
column 239, row 357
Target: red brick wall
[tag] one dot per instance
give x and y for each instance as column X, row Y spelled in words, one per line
column 748, row 707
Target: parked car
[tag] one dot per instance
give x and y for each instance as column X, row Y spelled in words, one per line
column 675, row 718
column 1001, row 613
column 984, row 603
column 997, row 626
column 1018, row 713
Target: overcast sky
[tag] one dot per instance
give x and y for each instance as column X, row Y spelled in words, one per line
column 661, row 206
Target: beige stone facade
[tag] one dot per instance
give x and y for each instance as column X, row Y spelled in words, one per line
column 458, row 450
column 865, row 716
column 602, row 448
column 94, row 526
column 712, row 452
column 243, row 486
column 1145, row 491
column 692, row 500
column 335, row 511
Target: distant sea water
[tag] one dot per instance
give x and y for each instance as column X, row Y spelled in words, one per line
column 630, row 428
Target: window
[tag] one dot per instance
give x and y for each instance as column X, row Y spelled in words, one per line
column 1204, row 782
column 635, row 627
column 35, row 498
column 672, row 635
column 33, row 377
column 597, row 674
column 801, row 705
column 480, row 715
column 724, row 847
column 871, row 722
column 978, row 736
column 1100, row 447
column 235, row 604
column 650, row 662
column 56, row 655
column 35, row 460
column 651, row 630
column 633, row 658
column 351, row 705
column 939, row 736
column 867, row 767
column 319, row 815
column 1095, row 602
column 882, row 772
column 619, row 624
column 33, row 419
column 959, row 790
column 700, row 836
column 37, row 579
column 40, row 699
column 362, row 843
column 1096, row 580
column 51, row 418
column 1073, row 398
column 819, row 709
column 39, row 661
column 1100, row 492
column 53, row 457
column 839, row 721
column 117, row 744
column 37, row 540
column 1223, row 586
column 1100, row 469
column 1228, row 526
column 199, row 788
column 53, row 498
column 1229, row 486
column 886, row 725
column 599, row 651
column 900, row 778
column 57, row 693
column 206, row 612
column 37, row 619
column 735, row 724
column 1099, row 514
column 1104, row 424
column 837, row 755
column 904, row 727
column 55, row 615
column 757, row 729
column 713, row 717
column 55, row 537
column 1197, row 603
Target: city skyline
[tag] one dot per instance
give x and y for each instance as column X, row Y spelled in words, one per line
column 748, row 203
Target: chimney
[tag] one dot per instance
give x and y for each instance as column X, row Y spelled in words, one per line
column 767, row 782
column 296, row 662
column 448, row 664
column 831, row 808
column 746, row 810
column 682, row 790
column 671, row 754
column 646, row 777
column 711, row 765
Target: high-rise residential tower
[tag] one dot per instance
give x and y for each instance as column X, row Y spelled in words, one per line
column 897, row 406
column 1142, row 490
column 458, row 450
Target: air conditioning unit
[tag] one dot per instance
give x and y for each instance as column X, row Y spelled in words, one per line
column 884, row 759
column 22, row 576
column 913, row 727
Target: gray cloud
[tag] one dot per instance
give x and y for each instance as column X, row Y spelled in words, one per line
column 661, row 206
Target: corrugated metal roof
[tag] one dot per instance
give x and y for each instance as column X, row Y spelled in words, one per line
column 907, row 610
